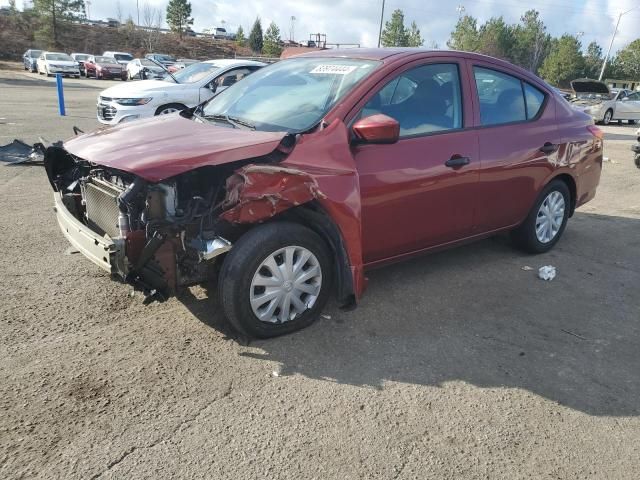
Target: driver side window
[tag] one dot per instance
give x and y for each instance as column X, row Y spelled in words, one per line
column 423, row 100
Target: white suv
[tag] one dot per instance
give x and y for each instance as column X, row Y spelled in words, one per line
column 184, row 89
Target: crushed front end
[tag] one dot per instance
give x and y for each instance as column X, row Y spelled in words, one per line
column 157, row 236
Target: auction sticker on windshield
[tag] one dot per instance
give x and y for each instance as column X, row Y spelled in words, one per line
column 334, row 69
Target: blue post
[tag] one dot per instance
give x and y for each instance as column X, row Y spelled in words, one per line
column 60, row 95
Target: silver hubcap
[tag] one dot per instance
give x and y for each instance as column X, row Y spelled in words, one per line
column 607, row 117
column 285, row 284
column 168, row 110
column 550, row 217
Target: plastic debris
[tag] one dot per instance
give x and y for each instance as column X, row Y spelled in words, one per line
column 326, row 317
column 548, row 272
column 527, row 268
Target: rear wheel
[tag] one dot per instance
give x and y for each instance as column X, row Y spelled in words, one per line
column 275, row 280
column 546, row 221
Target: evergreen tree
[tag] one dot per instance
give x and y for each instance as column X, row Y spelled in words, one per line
column 255, row 37
column 395, row 34
column 628, row 60
column 52, row 15
column 240, row 38
column 414, row 37
column 531, row 41
column 465, row 35
column 495, row 39
column 593, row 60
column 272, row 41
column 564, row 63
column 179, row 16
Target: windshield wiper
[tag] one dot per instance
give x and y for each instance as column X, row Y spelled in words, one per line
column 233, row 121
column 165, row 69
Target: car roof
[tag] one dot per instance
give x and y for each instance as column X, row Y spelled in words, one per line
column 55, row 53
column 231, row 62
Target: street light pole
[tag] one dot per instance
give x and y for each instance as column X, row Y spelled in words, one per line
column 381, row 19
column 613, row 37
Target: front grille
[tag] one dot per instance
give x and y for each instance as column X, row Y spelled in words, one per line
column 107, row 112
column 101, row 200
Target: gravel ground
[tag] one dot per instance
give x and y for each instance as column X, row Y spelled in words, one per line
column 457, row 365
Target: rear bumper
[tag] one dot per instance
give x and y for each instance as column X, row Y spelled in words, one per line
column 97, row 248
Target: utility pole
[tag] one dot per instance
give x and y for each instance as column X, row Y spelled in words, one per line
column 138, row 10
column 613, row 37
column 381, row 19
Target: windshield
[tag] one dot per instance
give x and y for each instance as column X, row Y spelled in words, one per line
column 35, row 53
column 105, row 60
column 291, row 95
column 59, row 56
column 148, row 63
column 81, row 57
column 165, row 58
column 195, row 72
column 123, row 57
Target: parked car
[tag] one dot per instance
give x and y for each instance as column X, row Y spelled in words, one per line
column 145, row 69
column 317, row 168
column 104, row 68
column 604, row 105
column 162, row 58
column 81, row 58
column 50, row 63
column 184, row 89
column 121, row 57
column 30, row 60
column 180, row 64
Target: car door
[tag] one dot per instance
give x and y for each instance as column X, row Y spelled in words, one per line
column 418, row 192
column 629, row 107
column 519, row 143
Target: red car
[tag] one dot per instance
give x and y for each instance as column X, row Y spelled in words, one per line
column 309, row 172
column 104, row 68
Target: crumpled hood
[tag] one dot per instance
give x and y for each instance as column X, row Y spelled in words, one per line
column 585, row 85
column 165, row 146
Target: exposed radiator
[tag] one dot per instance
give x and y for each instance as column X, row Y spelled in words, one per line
column 102, row 207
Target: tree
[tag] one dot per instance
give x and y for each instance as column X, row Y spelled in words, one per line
column 240, row 39
column 531, row 42
column 564, row 62
column 593, row 60
column 272, row 41
column 495, row 39
column 465, row 35
column 151, row 20
column 179, row 16
column 414, row 38
column 53, row 14
column 255, row 37
column 628, row 60
column 395, row 34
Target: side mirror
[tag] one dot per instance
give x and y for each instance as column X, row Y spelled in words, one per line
column 377, row 128
column 213, row 86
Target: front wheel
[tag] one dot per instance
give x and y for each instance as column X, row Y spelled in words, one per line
column 275, row 280
column 169, row 108
column 608, row 115
column 546, row 221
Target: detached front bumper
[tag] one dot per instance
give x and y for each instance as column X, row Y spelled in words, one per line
column 97, row 248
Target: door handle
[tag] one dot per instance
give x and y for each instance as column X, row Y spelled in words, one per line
column 548, row 148
column 457, row 161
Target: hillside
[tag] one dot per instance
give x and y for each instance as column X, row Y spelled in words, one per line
column 17, row 35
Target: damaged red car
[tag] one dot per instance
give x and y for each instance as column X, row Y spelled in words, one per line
column 305, row 174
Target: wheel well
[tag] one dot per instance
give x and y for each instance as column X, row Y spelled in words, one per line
column 168, row 105
column 571, row 185
column 313, row 216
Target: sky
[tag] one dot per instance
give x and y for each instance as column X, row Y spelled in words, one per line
column 357, row 21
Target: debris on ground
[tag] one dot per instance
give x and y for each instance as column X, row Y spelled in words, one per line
column 548, row 272
column 527, row 268
column 326, row 317
column 574, row 334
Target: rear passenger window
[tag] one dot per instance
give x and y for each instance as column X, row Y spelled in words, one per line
column 535, row 99
column 501, row 98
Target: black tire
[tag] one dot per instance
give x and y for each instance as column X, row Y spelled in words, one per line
column 241, row 263
column 177, row 106
column 524, row 236
column 608, row 115
column 637, row 160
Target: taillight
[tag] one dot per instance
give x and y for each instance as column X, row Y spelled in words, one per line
column 595, row 131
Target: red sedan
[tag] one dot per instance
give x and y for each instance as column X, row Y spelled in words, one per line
column 104, row 68
column 308, row 172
